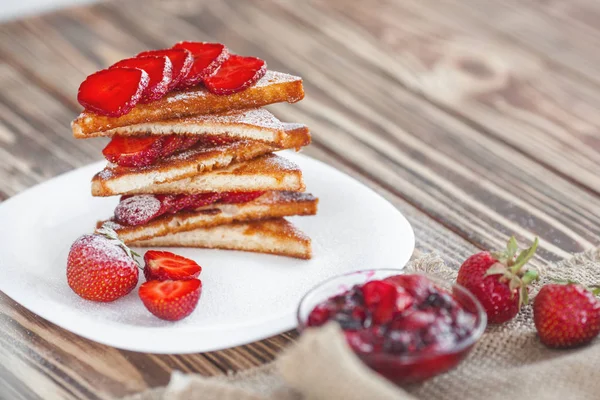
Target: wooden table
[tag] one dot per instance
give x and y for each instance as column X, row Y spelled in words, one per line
column 477, row 119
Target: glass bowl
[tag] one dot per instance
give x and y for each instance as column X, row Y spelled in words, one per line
column 401, row 368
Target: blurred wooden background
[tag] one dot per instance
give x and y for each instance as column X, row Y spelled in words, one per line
column 476, row 118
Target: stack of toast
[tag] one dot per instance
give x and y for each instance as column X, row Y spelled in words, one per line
column 209, row 176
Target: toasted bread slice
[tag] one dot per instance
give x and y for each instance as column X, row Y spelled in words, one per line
column 272, row 236
column 268, row 172
column 202, row 158
column 254, row 124
column 274, row 87
column 269, row 205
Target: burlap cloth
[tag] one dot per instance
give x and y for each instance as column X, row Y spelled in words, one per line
column 509, row 362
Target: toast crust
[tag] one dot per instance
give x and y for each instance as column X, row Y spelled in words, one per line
column 265, row 173
column 114, row 179
column 272, row 236
column 274, row 87
column 254, row 124
column 269, row 205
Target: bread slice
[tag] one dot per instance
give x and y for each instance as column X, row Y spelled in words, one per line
column 272, row 236
column 268, row 172
column 254, row 124
column 269, row 205
column 274, row 87
column 202, row 158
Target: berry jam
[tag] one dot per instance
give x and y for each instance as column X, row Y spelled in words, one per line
column 405, row 327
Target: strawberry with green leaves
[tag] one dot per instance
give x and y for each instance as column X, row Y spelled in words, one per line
column 566, row 315
column 499, row 280
column 100, row 267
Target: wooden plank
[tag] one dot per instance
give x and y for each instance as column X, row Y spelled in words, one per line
column 494, row 85
column 564, row 33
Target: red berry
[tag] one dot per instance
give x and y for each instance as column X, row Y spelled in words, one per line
column 417, row 286
column 380, row 299
column 207, row 58
column 159, row 70
column 164, row 265
column 319, row 315
column 113, row 92
column 236, row 74
column 171, row 300
column 203, row 200
column 216, row 140
column 566, row 315
column 499, row 281
column 239, row 197
column 181, row 60
column 100, row 268
column 138, row 210
column 172, row 144
column 134, row 151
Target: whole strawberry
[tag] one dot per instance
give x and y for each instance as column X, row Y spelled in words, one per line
column 100, row 267
column 566, row 315
column 499, row 280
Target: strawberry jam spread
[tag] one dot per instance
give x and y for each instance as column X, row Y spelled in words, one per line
column 141, row 209
column 404, row 326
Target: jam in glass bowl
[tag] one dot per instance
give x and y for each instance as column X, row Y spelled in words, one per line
column 407, row 327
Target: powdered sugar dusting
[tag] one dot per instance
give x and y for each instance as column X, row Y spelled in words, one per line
column 275, row 162
column 137, row 210
column 256, row 117
column 98, row 247
column 270, row 78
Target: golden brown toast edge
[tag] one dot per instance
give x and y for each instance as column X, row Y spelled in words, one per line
column 107, row 181
column 194, row 101
column 259, row 234
column 270, row 205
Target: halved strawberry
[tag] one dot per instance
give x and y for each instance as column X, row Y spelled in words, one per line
column 207, row 58
column 159, row 70
column 190, row 141
column 164, row 265
column 239, row 197
column 203, row 199
column 171, row 300
column 133, row 151
column 236, row 74
column 138, row 209
column 181, row 59
column 172, row 144
column 113, row 92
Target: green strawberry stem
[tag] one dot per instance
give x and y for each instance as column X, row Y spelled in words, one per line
column 524, row 256
column 112, row 235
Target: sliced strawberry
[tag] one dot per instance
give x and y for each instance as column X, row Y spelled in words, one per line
column 207, row 58
column 239, row 197
column 190, row 141
column 113, row 92
column 179, row 202
column 133, row 151
column 181, row 59
column 204, row 199
column 171, row 300
column 159, row 70
column 236, row 74
column 164, row 265
column 172, row 144
column 138, row 210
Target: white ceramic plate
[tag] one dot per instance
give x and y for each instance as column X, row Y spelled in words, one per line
column 245, row 296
